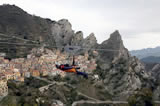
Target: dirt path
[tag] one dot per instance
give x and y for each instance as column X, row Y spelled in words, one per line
column 100, row 102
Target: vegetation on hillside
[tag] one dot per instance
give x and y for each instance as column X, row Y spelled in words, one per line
column 141, row 98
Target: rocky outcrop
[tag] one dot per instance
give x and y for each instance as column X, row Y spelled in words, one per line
column 62, row 32
column 154, row 70
column 16, row 22
column 112, row 50
column 77, row 39
column 90, row 41
column 123, row 75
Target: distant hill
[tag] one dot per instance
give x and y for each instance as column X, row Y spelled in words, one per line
column 151, row 59
column 146, row 52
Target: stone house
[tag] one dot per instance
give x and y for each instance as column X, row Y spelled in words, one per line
column 55, row 72
column 21, row 79
column 2, row 76
column 44, row 72
column 16, row 75
column 35, row 73
column 27, row 74
column 62, row 74
column 9, row 75
column 6, row 61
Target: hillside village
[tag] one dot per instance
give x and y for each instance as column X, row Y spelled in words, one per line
column 41, row 62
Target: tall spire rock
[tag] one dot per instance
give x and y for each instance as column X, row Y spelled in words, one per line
column 90, row 41
column 115, row 40
column 113, row 48
column 66, row 24
column 116, row 36
column 123, row 74
column 77, row 39
column 62, row 32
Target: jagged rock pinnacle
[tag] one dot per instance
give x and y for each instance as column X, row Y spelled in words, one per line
column 114, row 42
column 92, row 37
column 116, row 36
column 90, row 41
column 66, row 24
column 77, row 39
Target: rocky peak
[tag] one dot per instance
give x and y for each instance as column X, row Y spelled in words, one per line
column 115, row 40
column 10, row 7
column 114, row 48
column 79, row 35
column 92, row 38
column 77, row 39
column 123, row 74
column 90, row 41
column 63, row 21
column 65, row 24
column 14, row 21
column 116, row 36
column 62, row 32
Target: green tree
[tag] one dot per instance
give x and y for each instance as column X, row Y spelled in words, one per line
column 141, row 98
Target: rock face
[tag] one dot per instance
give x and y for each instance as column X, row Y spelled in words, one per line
column 115, row 45
column 16, row 22
column 112, row 50
column 154, row 70
column 90, row 41
column 77, row 39
column 62, row 32
column 125, row 77
column 123, row 74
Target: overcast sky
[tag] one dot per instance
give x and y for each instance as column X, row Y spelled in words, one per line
column 138, row 21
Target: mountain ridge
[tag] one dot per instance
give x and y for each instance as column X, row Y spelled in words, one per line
column 151, row 59
column 143, row 53
column 15, row 21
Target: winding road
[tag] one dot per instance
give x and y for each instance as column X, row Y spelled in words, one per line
column 91, row 99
